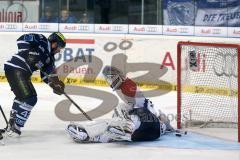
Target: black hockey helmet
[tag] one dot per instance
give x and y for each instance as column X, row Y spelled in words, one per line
column 59, row 38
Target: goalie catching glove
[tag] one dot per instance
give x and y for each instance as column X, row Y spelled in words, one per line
column 57, row 85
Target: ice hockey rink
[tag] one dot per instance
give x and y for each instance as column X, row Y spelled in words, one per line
column 44, row 136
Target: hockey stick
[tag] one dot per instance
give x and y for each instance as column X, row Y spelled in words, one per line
column 177, row 132
column 69, row 98
column 3, row 130
column 180, row 133
column 75, row 104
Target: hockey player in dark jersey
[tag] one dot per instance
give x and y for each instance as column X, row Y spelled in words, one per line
column 35, row 52
column 135, row 120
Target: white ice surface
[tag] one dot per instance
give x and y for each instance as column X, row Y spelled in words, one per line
column 44, row 137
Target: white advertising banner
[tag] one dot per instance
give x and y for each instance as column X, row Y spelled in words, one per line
column 178, row 30
column 211, row 31
column 233, row 31
column 111, row 28
column 74, row 28
column 40, row 27
column 122, row 29
column 145, row 29
column 10, row 27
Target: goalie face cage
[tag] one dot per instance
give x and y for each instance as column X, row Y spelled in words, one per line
column 207, row 85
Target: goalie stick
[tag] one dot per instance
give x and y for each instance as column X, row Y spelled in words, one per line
column 69, row 98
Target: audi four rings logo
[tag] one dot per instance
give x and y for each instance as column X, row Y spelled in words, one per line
column 83, row 28
column 42, row 26
column 183, row 30
column 117, row 28
column 151, row 29
column 226, row 64
column 11, row 26
column 216, row 31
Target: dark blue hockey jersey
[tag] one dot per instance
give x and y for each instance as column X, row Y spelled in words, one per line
column 34, row 51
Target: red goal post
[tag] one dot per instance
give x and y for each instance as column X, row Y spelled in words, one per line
column 188, row 77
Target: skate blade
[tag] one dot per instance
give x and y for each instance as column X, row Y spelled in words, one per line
column 12, row 134
column 2, row 142
column 2, row 139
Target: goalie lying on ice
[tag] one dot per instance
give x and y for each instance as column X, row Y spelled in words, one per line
column 137, row 120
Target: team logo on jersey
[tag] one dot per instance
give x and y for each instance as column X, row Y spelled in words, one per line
column 181, row 13
column 28, row 37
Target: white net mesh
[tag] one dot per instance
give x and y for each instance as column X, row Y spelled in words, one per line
column 209, row 86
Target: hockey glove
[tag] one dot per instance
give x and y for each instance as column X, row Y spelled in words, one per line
column 57, row 85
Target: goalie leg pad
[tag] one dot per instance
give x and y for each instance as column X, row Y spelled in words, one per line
column 95, row 128
column 101, row 131
column 121, row 112
column 120, row 129
column 89, row 131
column 77, row 133
column 118, row 134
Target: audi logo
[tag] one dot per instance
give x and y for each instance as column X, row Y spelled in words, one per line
column 11, row 26
column 183, row 30
column 117, row 28
column 151, row 29
column 83, row 28
column 43, row 26
column 226, row 65
column 216, row 31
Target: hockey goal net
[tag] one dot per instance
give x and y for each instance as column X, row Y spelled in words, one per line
column 207, row 87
